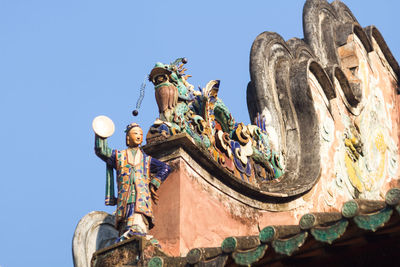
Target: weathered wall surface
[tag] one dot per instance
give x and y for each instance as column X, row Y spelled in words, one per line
column 196, row 210
column 343, row 82
column 359, row 147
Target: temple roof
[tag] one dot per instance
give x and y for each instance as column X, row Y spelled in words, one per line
column 318, row 238
column 364, row 232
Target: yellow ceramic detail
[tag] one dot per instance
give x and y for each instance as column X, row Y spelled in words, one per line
column 352, row 171
column 380, row 143
column 381, row 146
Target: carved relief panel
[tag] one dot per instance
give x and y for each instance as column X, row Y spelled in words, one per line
column 332, row 100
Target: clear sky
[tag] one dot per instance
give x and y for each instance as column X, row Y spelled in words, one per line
column 62, row 63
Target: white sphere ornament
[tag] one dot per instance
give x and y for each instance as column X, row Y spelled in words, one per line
column 103, row 126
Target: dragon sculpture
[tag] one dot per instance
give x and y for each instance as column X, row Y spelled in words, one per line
column 243, row 150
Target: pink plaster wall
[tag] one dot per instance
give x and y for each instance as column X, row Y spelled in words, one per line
column 192, row 213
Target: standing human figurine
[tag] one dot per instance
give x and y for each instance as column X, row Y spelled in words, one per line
column 138, row 178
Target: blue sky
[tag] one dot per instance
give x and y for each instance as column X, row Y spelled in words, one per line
column 62, row 63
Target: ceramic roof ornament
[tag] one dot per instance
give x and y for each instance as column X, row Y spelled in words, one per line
column 138, row 178
column 243, row 151
column 170, row 83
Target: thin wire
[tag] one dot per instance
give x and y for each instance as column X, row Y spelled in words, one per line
column 142, row 90
column 177, row 61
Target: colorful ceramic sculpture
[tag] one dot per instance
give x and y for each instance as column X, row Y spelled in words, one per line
column 243, row 150
column 138, row 178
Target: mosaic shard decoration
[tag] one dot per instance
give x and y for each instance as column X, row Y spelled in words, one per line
column 245, row 151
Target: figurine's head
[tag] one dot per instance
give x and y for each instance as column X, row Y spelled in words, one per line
column 134, row 135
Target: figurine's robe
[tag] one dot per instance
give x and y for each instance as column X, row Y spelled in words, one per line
column 133, row 180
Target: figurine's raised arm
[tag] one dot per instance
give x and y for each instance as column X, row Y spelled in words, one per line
column 101, row 148
column 103, row 128
column 108, row 155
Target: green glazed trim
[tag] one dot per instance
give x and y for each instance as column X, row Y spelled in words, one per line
column 349, row 209
column 307, row 221
column 267, row 234
column 193, row 256
column 398, row 208
column 330, row 233
column 373, row 221
column 290, row 245
column 156, row 262
column 249, row 257
column 156, row 182
column 223, row 116
column 229, row 244
column 393, row 196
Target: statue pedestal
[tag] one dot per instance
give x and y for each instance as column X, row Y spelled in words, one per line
column 198, row 207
